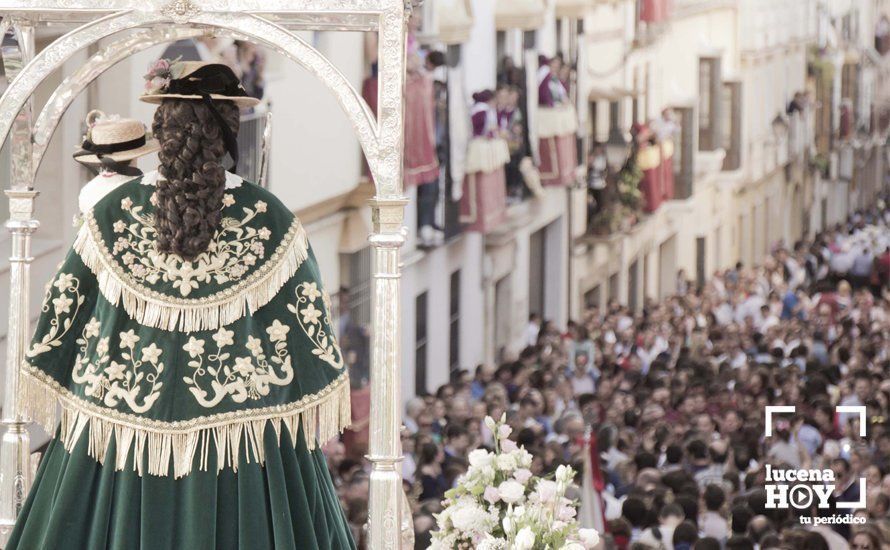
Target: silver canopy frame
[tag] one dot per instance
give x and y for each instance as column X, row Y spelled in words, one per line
column 143, row 23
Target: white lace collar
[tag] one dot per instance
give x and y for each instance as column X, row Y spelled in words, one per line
column 232, row 180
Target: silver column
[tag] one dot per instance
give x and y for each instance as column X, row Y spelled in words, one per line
column 15, row 445
column 385, row 446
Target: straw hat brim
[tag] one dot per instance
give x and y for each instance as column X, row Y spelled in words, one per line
column 150, row 147
column 240, row 101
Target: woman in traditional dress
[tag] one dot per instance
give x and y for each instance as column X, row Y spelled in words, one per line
column 186, row 349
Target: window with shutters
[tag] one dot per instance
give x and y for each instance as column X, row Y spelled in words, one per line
column 421, row 341
column 732, row 125
column 684, row 153
column 709, row 103
column 454, row 321
column 592, row 297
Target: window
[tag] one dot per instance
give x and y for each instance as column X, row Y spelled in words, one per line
column 633, row 285
column 454, row 322
column 684, row 151
column 700, row 260
column 592, row 297
column 536, row 272
column 732, row 125
column 824, row 111
column 850, row 91
column 420, row 344
column 613, row 287
column 616, row 135
column 709, row 103
column 502, row 315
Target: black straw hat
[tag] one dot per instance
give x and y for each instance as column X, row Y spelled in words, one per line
column 193, row 80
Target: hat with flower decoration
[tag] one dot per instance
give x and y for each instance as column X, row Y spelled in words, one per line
column 176, row 79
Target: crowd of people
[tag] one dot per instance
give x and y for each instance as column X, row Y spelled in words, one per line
column 673, row 398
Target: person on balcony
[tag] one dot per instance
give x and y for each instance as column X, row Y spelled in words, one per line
column 551, row 91
column 186, row 348
column 421, row 161
column 597, row 173
column 511, row 127
column 484, row 115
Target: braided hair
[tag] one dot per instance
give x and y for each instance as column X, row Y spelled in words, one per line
column 190, row 193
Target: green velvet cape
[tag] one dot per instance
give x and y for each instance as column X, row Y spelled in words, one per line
column 183, row 378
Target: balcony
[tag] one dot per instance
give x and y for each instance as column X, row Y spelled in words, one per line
column 557, row 127
column 483, row 204
column 525, row 15
column 651, row 15
column 572, row 9
column 447, row 22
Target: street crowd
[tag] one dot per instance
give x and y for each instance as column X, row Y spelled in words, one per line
column 672, row 400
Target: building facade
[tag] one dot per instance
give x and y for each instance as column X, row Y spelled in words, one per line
column 729, row 126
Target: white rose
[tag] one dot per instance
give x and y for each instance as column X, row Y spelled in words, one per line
column 508, row 445
column 523, row 458
column 566, row 513
column 506, row 462
column 480, row 458
column 511, row 491
column 484, row 474
column 522, row 475
column 491, row 494
column 468, row 518
column 546, row 491
column 492, row 543
column 525, row 539
column 589, row 537
column 572, row 546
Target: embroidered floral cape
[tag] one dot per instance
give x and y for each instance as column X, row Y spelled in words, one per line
column 169, row 356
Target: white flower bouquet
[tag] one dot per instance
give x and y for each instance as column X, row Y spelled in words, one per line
column 499, row 505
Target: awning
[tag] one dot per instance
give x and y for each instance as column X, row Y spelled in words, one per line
column 574, row 9
column 526, row 15
column 455, row 18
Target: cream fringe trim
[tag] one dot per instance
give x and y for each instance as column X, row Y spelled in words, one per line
column 154, row 309
column 322, row 416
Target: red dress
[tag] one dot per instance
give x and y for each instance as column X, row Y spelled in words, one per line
column 421, row 163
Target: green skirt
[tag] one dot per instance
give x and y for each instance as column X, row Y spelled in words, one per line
column 288, row 503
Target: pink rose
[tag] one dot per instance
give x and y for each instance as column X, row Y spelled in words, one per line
column 491, row 494
column 159, row 66
column 522, row 475
column 157, row 83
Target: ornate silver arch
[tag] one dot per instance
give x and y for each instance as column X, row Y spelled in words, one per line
column 57, row 104
column 251, row 26
column 268, row 22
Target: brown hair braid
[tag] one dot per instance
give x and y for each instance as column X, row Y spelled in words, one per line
column 190, row 194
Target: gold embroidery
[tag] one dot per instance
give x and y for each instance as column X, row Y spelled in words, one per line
column 234, row 249
column 110, row 381
column 151, row 308
column 69, row 295
column 251, row 375
column 313, row 321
